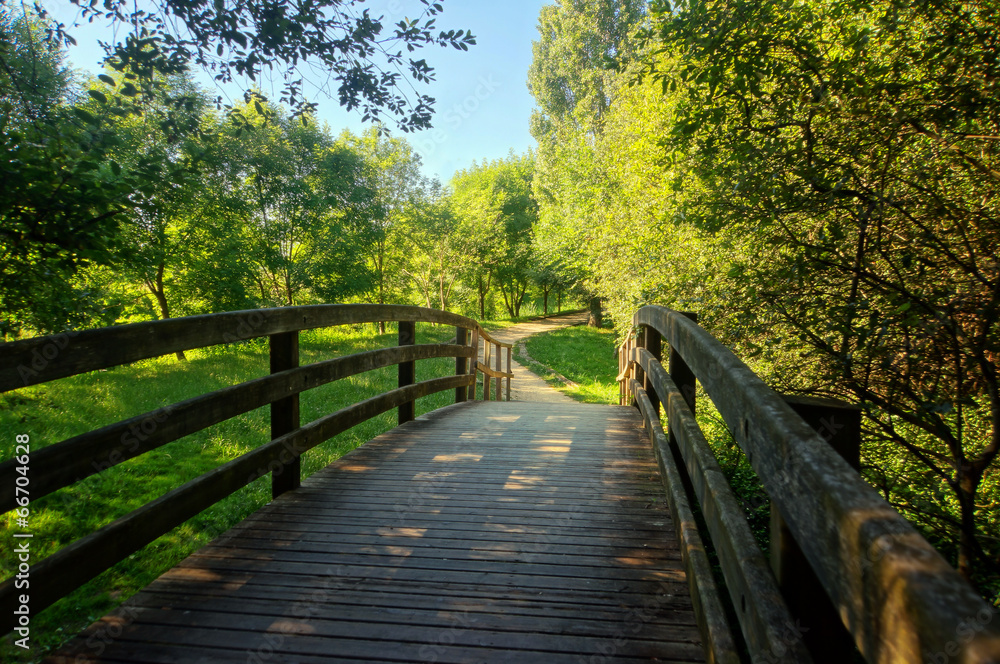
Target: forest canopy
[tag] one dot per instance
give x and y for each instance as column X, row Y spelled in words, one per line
column 819, row 181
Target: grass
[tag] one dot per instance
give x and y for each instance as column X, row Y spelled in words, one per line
column 580, row 362
column 58, row 410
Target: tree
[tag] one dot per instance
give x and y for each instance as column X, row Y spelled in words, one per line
column 62, row 195
column 252, row 38
column 856, row 145
column 498, row 213
column 397, row 183
column 574, row 88
column 312, row 208
column 433, row 238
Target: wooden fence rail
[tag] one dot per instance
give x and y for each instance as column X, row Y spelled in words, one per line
column 840, row 553
column 34, row 361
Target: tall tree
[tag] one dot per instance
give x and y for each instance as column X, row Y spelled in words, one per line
column 497, row 211
column 397, row 184
column 312, row 208
column 61, row 194
column 857, row 144
column 434, row 241
column 574, row 88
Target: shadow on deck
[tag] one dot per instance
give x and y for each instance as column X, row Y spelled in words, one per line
column 483, row 532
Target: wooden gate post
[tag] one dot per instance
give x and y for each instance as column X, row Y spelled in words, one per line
column 637, row 373
column 407, row 370
column 487, row 350
column 825, row 636
column 461, row 364
column 284, row 352
column 509, row 351
column 683, row 378
column 653, row 342
column 499, row 387
column 474, row 364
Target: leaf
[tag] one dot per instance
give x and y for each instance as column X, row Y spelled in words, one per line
column 98, row 95
column 107, row 79
column 85, row 116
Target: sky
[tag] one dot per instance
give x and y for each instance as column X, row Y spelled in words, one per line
column 483, row 105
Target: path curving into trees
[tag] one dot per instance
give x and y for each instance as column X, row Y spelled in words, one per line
column 526, row 386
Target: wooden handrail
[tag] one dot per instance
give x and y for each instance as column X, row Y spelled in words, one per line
column 38, row 360
column 34, row 361
column 898, row 598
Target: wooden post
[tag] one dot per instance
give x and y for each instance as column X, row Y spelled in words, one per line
column 637, row 373
column 683, row 378
column 407, row 370
column 487, row 349
column 509, row 351
column 499, row 388
column 475, row 358
column 654, row 344
column 284, row 349
column 681, row 373
column 826, row 637
column 622, row 389
column 461, row 363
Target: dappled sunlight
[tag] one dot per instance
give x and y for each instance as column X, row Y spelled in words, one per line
column 401, row 532
column 638, row 562
column 516, row 481
column 355, row 468
column 454, row 458
column 502, row 418
column 286, row 626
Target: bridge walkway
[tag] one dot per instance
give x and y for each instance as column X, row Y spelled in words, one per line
column 483, row 532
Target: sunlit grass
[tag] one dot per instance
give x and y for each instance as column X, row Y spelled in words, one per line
column 61, row 409
column 584, row 355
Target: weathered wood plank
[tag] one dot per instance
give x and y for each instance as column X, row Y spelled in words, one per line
column 70, row 567
column 711, row 616
column 766, row 623
column 529, row 571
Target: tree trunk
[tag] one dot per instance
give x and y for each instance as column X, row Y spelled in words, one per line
column 596, row 313
column 484, row 289
column 545, row 301
column 558, row 300
column 160, row 294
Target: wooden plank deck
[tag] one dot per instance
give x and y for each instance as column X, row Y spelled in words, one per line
column 485, row 532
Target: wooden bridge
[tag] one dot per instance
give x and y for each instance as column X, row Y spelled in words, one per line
column 493, row 531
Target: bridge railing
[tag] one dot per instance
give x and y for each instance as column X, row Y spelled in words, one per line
column 840, row 555
column 39, row 360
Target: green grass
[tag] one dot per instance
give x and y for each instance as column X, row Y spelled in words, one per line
column 584, row 355
column 55, row 411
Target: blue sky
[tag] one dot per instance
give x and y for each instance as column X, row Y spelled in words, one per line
column 483, row 105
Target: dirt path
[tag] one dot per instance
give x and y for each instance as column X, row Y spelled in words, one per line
column 526, row 386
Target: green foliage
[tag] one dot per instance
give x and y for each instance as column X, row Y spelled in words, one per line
column 585, row 356
column 497, row 213
column 250, row 40
column 61, row 195
column 819, row 182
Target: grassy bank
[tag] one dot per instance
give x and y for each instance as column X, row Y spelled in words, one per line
column 580, row 362
column 55, row 411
